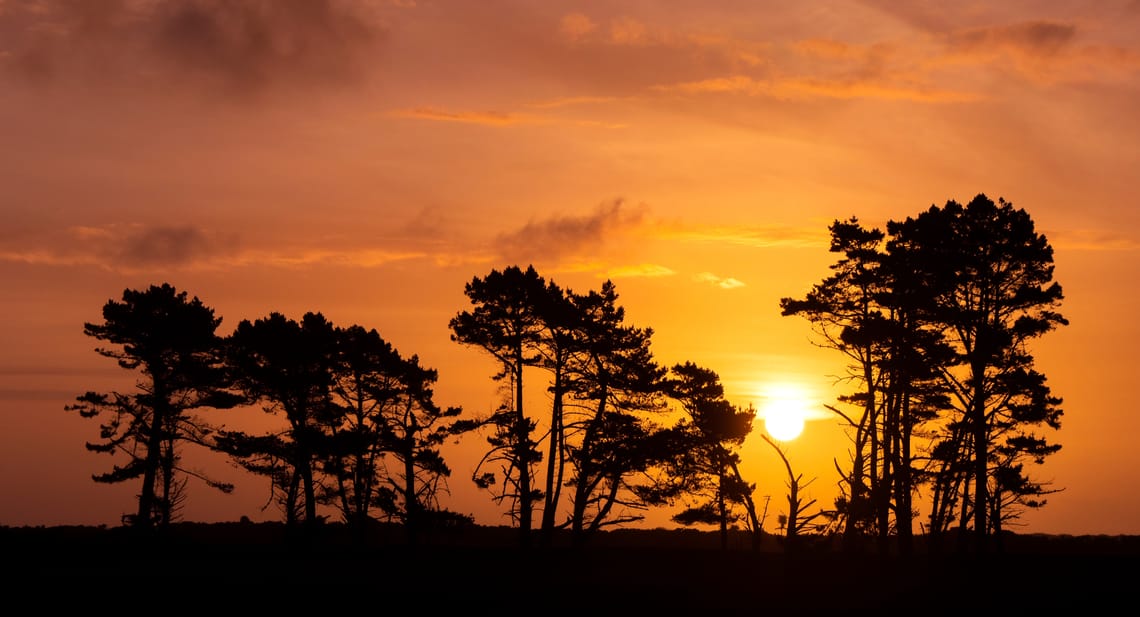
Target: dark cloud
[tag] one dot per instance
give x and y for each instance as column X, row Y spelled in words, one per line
column 163, row 246
column 1035, row 38
column 558, row 237
column 253, row 44
column 236, row 47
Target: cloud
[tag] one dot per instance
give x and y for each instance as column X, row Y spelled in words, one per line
column 608, row 240
column 628, row 31
column 717, row 281
column 1033, row 38
column 925, row 69
column 571, row 101
column 835, row 70
column 231, row 47
column 558, row 238
column 486, row 118
column 1092, row 240
column 639, row 271
column 143, row 248
column 1044, row 51
column 117, row 247
column 507, row 119
column 576, row 26
column 754, row 236
column 163, row 246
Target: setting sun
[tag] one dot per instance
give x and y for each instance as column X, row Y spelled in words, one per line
column 784, row 411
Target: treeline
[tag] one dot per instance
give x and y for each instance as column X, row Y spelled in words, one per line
column 362, row 433
column 935, row 316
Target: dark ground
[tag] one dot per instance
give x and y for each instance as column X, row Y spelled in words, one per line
column 244, row 567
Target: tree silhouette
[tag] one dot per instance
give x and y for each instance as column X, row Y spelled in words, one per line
column 503, row 321
column 797, row 521
column 367, row 387
column 994, row 292
column 936, row 316
column 171, row 341
column 603, row 382
column 705, row 464
column 616, row 387
column 844, row 310
column 287, row 366
column 558, row 350
column 417, row 426
column 870, row 310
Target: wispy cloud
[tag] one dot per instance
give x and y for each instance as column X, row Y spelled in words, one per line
column 142, row 248
column 487, row 118
column 801, row 88
column 754, row 236
column 1044, row 51
column 1092, row 240
column 570, row 236
column 1032, row 38
column 122, row 247
column 576, row 26
column 608, row 241
column 639, row 271
column 574, row 101
column 718, row 281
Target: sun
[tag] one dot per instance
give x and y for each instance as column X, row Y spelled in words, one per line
column 784, row 412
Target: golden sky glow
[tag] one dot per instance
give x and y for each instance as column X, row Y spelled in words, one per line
column 366, row 159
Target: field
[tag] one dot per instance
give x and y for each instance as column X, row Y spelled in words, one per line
column 242, row 567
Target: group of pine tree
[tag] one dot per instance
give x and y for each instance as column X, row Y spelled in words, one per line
column 942, row 403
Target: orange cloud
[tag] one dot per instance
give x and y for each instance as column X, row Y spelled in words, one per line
column 639, row 271
column 143, row 248
column 809, row 88
column 1044, row 51
column 576, row 26
column 628, row 31
column 1092, row 240
column 717, row 281
column 1033, row 38
column 488, row 118
column 564, row 238
column 758, row 236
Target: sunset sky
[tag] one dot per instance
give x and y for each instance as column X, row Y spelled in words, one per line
column 367, row 159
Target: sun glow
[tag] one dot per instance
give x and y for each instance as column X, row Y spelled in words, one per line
column 784, row 411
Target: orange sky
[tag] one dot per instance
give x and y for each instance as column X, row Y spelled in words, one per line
column 367, row 159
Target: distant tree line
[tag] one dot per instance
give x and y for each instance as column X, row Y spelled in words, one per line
column 935, row 316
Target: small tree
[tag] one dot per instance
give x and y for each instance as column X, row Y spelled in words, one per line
column 796, row 521
column 417, row 426
column 706, row 465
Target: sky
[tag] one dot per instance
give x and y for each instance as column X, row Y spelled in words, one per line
column 367, row 159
